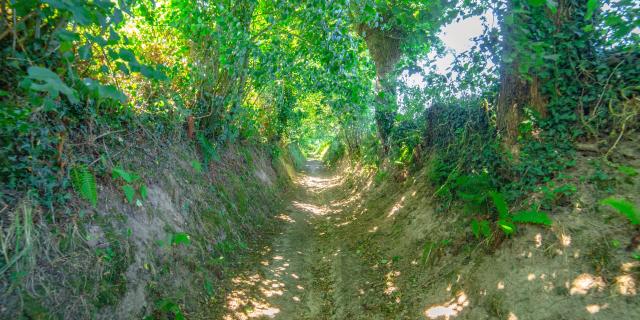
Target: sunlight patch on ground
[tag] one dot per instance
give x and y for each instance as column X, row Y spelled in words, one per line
column 585, row 282
column 390, row 285
column 396, row 207
column 449, row 309
column 565, row 240
column 285, row 218
column 241, row 304
column 318, row 184
column 594, row 308
column 626, row 285
column 313, row 209
column 347, row 201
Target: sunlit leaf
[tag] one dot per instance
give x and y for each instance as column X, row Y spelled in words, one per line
column 591, row 8
column 624, row 207
column 532, row 216
column 180, row 238
column 129, row 192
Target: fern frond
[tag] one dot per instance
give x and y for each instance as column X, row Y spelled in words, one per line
column 84, row 182
column 625, row 207
column 500, row 203
column 532, row 216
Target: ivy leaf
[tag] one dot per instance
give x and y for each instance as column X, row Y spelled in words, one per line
column 50, row 82
column 129, row 192
column 591, row 8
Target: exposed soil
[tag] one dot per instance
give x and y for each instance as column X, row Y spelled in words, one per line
column 352, row 248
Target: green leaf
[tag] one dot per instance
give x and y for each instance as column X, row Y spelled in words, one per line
column 49, row 82
column 532, row 216
column 84, row 182
column 197, row 166
column 506, row 226
column 624, row 207
column 629, row 171
column 553, row 6
column 129, row 192
column 180, row 238
column 475, row 228
column 485, row 229
column 591, row 8
column 208, row 288
column 127, row 176
column 143, row 191
column 480, row 228
column 426, row 251
column 84, row 52
column 536, row 3
column 500, row 203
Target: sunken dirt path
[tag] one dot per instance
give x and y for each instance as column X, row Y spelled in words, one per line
column 309, row 271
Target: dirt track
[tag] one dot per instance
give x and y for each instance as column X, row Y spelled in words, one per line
column 307, row 272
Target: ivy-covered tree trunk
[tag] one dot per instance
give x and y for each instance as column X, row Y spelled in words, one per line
column 516, row 91
column 543, row 49
column 384, row 47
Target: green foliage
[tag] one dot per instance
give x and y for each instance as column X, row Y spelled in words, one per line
column 167, row 305
column 531, row 216
column 500, row 203
column 197, row 166
column 624, row 207
column 132, row 184
column 480, row 228
column 128, row 177
column 333, row 152
column 628, row 171
column 129, row 192
column 208, row 149
column 180, row 238
column 50, row 82
column 297, row 156
column 84, row 182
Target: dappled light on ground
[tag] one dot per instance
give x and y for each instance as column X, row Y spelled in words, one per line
column 585, row 282
column 310, row 208
column 594, row 308
column 319, row 184
column 626, row 285
column 396, row 207
column 449, row 309
column 243, row 303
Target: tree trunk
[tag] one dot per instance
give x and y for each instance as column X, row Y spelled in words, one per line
column 384, row 47
column 515, row 92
